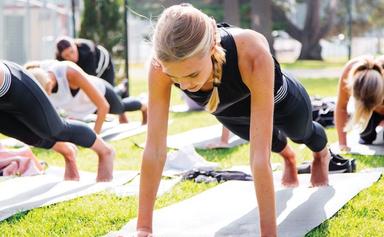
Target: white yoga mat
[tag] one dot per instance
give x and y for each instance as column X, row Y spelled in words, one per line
column 112, row 130
column 377, row 147
column 132, row 188
column 12, row 142
column 26, row 193
column 121, row 131
column 201, row 138
column 230, row 209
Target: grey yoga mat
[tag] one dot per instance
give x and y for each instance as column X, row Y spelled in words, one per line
column 26, row 193
column 377, row 147
column 230, row 209
column 201, row 138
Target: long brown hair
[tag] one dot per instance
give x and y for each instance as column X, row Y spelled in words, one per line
column 62, row 43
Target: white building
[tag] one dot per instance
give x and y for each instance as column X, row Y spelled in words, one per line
column 28, row 28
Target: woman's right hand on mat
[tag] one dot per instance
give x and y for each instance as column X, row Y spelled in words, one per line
column 344, row 148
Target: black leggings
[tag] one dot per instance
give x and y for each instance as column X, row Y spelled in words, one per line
column 118, row 105
column 369, row 134
column 27, row 115
column 292, row 119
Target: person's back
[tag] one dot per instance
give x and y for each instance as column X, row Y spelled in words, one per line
column 76, row 103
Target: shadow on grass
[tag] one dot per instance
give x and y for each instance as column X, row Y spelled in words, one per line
column 16, row 218
column 320, row 231
column 220, row 154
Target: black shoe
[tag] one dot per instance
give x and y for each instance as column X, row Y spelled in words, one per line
column 337, row 164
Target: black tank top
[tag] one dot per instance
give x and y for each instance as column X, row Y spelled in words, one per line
column 234, row 94
column 89, row 55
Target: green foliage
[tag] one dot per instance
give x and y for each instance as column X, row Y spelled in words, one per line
column 152, row 9
column 102, row 22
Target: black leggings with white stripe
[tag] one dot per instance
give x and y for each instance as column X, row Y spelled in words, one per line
column 292, row 118
column 27, row 115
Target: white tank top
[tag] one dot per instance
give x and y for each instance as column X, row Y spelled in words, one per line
column 78, row 106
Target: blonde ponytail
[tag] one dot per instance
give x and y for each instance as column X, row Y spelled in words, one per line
column 218, row 59
column 366, row 84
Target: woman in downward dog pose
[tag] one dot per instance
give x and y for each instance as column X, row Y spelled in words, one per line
column 230, row 72
column 28, row 115
column 362, row 78
column 79, row 94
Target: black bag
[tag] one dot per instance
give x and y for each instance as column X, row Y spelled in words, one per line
column 323, row 111
column 200, row 176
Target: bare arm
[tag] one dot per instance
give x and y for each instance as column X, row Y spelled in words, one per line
column 78, row 78
column 257, row 71
column 155, row 152
column 341, row 114
column 225, row 135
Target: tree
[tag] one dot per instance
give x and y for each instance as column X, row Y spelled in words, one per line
column 315, row 26
column 102, row 22
column 231, row 12
column 89, row 17
column 261, row 19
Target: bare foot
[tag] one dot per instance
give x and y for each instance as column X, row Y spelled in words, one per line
column 68, row 151
column 289, row 178
column 71, row 171
column 105, row 170
column 144, row 115
column 319, row 168
column 123, row 118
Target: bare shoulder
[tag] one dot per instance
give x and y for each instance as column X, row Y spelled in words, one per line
column 252, row 52
column 252, row 47
column 71, row 66
column 249, row 42
column 156, row 74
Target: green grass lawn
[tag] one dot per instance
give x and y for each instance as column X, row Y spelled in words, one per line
column 97, row 214
column 315, row 64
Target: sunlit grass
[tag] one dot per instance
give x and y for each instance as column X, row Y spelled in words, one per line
column 97, row 214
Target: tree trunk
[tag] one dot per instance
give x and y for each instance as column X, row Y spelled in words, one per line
column 311, row 51
column 231, row 12
column 314, row 28
column 261, row 19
